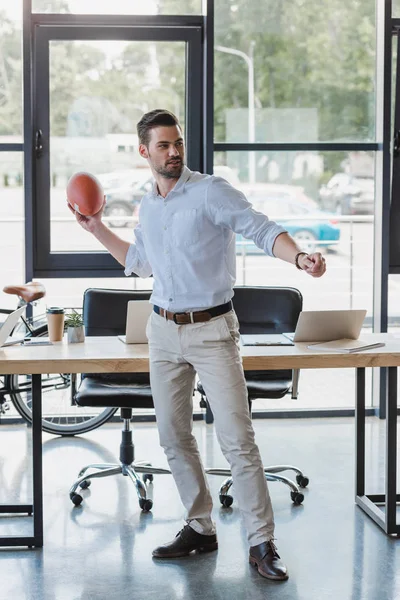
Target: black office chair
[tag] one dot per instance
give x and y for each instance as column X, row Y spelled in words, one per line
column 104, row 313
column 265, row 310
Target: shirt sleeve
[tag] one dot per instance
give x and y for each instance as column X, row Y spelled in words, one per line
column 136, row 259
column 228, row 207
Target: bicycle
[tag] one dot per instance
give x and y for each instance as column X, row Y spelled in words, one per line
column 61, row 415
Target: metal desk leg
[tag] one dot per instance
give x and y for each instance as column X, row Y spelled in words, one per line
column 37, row 467
column 360, row 432
column 37, row 506
column 370, row 503
column 391, row 449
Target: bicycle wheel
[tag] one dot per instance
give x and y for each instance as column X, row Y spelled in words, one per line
column 60, row 415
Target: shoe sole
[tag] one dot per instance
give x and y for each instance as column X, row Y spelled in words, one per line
column 201, row 550
column 254, row 563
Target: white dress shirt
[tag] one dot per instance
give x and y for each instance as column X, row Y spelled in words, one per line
column 187, row 241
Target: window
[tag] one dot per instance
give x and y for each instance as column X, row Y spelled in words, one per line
column 293, row 62
column 293, row 189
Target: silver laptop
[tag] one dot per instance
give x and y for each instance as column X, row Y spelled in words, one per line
column 7, row 327
column 137, row 316
column 327, row 325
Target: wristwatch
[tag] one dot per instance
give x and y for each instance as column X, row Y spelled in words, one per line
column 296, row 260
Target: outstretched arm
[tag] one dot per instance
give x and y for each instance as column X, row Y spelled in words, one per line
column 228, row 207
column 286, row 249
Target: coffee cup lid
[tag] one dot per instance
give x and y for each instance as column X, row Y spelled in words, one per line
column 55, row 310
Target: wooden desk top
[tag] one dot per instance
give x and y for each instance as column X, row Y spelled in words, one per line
column 109, row 354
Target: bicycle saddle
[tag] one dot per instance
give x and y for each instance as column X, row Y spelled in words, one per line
column 31, row 291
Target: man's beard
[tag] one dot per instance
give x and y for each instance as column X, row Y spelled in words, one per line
column 173, row 172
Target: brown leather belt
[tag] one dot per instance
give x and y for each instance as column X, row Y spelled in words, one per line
column 199, row 316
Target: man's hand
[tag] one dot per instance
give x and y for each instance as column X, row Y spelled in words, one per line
column 88, row 223
column 313, row 264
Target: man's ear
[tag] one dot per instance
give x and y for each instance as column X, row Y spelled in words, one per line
column 143, row 151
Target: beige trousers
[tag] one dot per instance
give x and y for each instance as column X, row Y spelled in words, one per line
column 211, row 349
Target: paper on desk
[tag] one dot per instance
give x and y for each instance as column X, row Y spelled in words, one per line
column 265, row 339
column 345, row 345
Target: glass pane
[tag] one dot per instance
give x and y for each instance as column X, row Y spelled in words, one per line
column 12, row 232
column 119, row 7
column 10, row 72
column 314, row 71
column 326, row 202
column 98, row 92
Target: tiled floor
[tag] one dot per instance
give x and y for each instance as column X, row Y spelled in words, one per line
column 102, row 549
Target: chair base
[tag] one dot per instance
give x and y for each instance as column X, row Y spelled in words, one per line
column 131, row 471
column 271, row 475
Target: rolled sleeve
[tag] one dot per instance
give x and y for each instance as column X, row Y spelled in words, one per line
column 228, row 207
column 136, row 260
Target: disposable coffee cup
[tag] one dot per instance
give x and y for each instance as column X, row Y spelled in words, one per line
column 55, row 323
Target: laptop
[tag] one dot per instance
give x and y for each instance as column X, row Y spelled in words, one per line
column 327, row 325
column 7, row 327
column 137, row 315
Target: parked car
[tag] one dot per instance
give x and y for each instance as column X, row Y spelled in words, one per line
column 314, row 230
column 348, row 195
column 124, row 191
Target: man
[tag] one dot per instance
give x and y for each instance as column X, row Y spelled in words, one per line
column 185, row 238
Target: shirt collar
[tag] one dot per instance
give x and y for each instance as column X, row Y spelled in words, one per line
column 180, row 184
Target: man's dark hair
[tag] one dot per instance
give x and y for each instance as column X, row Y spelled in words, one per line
column 155, row 118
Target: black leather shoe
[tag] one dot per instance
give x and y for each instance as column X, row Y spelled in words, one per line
column 185, row 542
column 268, row 562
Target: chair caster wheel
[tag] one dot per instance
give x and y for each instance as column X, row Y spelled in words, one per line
column 145, row 504
column 76, row 499
column 148, row 477
column 85, row 484
column 297, row 497
column 302, row 481
column 226, row 500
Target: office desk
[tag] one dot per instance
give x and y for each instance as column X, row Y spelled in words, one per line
column 110, row 355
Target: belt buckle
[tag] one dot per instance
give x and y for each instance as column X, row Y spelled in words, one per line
column 183, row 313
column 175, row 315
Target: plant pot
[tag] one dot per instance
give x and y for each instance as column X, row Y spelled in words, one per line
column 76, row 334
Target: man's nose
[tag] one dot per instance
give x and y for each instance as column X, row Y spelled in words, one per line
column 173, row 151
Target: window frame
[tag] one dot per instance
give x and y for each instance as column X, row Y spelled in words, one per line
column 41, row 262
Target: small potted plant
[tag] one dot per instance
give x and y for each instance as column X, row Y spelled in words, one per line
column 75, row 328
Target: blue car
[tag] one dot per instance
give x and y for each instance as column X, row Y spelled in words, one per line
column 310, row 227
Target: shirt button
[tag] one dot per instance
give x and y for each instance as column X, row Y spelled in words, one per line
column 165, row 227
column 170, row 299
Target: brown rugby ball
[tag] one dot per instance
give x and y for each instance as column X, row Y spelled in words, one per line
column 85, row 194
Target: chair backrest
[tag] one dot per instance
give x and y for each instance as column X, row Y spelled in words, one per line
column 267, row 309
column 104, row 311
